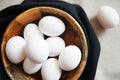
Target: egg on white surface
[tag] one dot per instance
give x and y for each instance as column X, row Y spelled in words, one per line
column 37, row 49
column 56, row 45
column 31, row 30
column 30, row 67
column 15, row 49
column 51, row 26
column 70, row 57
column 108, row 17
column 50, row 70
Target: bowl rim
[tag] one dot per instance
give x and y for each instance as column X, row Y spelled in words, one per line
column 42, row 8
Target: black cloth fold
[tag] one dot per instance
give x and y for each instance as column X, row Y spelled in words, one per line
column 8, row 14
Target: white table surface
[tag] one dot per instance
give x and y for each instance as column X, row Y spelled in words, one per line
column 109, row 61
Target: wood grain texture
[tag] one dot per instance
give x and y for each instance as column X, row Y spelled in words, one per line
column 73, row 35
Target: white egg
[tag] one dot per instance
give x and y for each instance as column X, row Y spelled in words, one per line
column 37, row 49
column 30, row 31
column 15, row 49
column 50, row 70
column 70, row 58
column 51, row 26
column 108, row 17
column 56, row 45
column 30, row 67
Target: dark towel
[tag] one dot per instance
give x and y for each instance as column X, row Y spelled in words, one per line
column 7, row 15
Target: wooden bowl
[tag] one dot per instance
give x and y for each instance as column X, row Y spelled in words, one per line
column 73, row 35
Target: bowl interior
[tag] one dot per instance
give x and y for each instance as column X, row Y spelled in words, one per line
column 73, row 35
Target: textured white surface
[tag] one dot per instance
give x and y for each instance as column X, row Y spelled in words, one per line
column 7, row 3
column 109, row 62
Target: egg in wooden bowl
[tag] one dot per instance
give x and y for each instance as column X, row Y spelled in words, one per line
column 73, row 35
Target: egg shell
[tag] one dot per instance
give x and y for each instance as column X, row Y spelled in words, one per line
column 51, row 26
column 70, row 58
column 30, row 67
column 56, row 45
column 37, row 49
column 50, row 70
column 108, row 17
column 31, row 30
column 15, row 49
